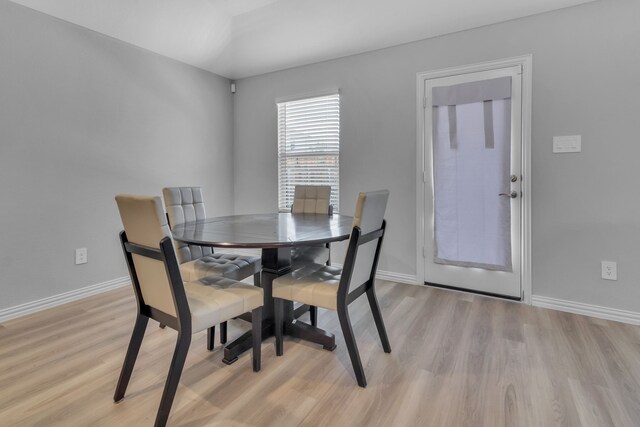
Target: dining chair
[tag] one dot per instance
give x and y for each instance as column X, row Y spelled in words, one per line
column 185, row 204
column 162, row 295
column 311, row 199
column 333, row 288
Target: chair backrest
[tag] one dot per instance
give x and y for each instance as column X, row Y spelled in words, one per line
column 145, row 224
column 368, row 218
column 185, row 204
column 313, row 199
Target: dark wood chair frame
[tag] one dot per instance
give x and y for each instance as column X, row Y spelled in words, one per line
column 345, row 298
column 181, row 323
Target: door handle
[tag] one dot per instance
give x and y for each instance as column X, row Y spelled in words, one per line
column 513, row 194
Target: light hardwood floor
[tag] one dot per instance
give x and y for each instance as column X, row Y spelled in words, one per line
column 457, row 360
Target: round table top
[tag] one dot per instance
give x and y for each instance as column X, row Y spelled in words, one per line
column 270, row 230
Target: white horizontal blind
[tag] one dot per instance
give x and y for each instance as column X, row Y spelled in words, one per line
column 308, row 146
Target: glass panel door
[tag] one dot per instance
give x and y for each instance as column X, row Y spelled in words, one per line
column 473, row 144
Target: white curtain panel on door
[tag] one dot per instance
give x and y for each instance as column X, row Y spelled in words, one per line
column 471, row 164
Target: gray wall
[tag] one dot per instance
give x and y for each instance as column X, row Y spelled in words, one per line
column 82, row 118
column 585, row 81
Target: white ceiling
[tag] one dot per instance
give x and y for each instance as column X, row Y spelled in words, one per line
column 240, row 38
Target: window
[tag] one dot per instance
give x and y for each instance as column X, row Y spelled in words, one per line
column 308, row 146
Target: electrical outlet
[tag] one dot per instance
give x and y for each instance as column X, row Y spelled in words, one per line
column 609, row 270
column 81, row 256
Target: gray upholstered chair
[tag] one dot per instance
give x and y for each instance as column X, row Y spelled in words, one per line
column 185, row 204
column 311, row 199
column 334, row 289
column 161, row 294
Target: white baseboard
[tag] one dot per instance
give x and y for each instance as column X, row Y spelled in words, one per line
column 397, row 277
column 55, row 300
column 597, row 311
column 390, row 276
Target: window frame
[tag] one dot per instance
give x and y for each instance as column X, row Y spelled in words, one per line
column 332, row 153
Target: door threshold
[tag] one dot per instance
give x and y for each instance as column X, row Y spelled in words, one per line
column 486, row 294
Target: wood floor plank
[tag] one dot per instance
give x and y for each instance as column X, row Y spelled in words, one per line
column 457, row 359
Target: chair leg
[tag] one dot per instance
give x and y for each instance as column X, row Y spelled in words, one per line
column 256, row 336
column 313, row 314
column 352, row 347
column 131, row 356
column 171, row 385
column 278, row 308
column 377, row 316
column 256, row 279
column 223, row 332
column 329, row 256
column 211, row 337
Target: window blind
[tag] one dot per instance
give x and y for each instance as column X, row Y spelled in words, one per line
column 308, row 147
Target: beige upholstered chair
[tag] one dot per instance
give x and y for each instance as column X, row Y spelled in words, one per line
column 311, row 199
column 334, row 289
column 161, row 294
column 185, row 204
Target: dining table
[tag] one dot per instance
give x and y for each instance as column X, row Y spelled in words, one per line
column 275, row 234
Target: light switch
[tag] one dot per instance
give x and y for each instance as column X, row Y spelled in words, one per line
column 567, row 144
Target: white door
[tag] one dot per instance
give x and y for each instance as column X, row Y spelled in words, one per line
column 473, row 164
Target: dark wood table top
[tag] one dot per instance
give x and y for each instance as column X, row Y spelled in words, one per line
column 272, row 230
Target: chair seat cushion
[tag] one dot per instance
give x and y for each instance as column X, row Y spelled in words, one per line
column 213, row 300
column 231, row 266
column 313, row 284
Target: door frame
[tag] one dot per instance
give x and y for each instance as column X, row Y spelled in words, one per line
column 526, row 62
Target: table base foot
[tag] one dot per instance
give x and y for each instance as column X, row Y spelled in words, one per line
column 244, row 342
column 229, row 362
column 314, row 334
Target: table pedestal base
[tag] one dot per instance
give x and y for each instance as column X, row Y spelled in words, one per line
column 277, row 262
column 293, row 328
